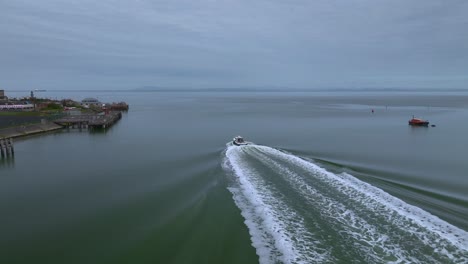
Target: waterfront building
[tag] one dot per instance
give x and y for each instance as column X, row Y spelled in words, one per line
column 17, row 107
column 87, row 102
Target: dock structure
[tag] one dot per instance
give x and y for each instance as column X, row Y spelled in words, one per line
column 122, row 106
column 90, row 121
column 6, row 147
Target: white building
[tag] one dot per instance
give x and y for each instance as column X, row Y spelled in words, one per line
column 17, row 107
column 87, row 102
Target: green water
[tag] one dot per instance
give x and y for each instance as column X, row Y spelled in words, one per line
column 332, row 182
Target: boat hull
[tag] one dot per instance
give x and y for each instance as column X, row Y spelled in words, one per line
column 240, row 144
column 418, row 123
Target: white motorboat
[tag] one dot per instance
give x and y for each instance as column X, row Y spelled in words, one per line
column 239, row 141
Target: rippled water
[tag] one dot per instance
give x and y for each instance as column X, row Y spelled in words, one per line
column 328, row 181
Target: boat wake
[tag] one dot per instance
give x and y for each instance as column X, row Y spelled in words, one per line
column 298, row 212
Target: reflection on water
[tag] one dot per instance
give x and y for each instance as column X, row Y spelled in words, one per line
column 418, row 129
column 7, row 162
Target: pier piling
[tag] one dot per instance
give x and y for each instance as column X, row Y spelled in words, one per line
column 6, row 147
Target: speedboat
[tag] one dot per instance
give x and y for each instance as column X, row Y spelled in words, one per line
column 239, row 141
column 418, row 122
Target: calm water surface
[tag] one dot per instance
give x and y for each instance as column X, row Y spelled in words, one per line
column 327, row 181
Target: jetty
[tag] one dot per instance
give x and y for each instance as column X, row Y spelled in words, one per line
column 90, row 120
column 6, row 147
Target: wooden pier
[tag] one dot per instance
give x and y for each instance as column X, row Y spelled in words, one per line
column 90, row 121
column 6, row 147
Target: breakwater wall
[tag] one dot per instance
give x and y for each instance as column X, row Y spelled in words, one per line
column 26, row 130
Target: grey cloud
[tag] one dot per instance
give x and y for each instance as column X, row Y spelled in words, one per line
column 232, row 43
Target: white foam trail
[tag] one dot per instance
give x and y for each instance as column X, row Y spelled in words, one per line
column 348, row 205
column 273, row 227
column 361, row 229
column 430, row 229
column 349, row 183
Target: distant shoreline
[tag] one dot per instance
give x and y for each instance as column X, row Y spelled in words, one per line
column 290, row 90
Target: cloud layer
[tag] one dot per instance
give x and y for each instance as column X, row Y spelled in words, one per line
column 121, row 44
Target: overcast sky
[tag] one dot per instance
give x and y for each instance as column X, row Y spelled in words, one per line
column 126, row 44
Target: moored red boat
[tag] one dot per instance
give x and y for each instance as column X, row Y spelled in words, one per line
column 418, row 122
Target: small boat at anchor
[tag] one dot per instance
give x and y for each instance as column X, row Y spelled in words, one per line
column 239, row 141
column 418, row 122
